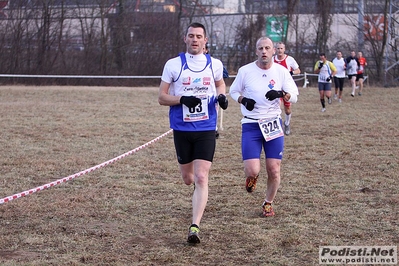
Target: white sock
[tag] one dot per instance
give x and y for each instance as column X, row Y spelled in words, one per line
column 287, row 119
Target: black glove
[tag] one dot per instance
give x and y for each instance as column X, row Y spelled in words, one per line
column 292, row 73
column 190, row 101
column 272, row 94
column 320, row 64
column 248, row 103
column 223, row 102
column 329, row 78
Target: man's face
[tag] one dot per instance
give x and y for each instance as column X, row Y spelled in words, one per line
column 280, row 49
column 322, row 58
column 195, row 40
column 339, row 55
column 265, row 51
column 353, row 54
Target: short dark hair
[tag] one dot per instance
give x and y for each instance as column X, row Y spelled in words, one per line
column 322, row 54
column 196, row 25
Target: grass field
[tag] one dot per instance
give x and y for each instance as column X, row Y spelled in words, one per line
column 339, row 182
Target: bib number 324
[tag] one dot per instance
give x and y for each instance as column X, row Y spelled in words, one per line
column 271, row 128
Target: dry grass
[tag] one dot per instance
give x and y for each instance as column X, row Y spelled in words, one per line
column 339, row 182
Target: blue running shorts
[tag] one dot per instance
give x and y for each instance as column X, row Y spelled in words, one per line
column 252, row 141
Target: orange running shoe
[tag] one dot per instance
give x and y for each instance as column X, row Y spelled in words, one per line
column 267, row 209
column 250, row 184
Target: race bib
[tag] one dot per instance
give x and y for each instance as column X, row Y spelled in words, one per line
column 197, row 113
column 271, row 128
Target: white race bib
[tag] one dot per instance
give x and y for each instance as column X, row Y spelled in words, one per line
column 271, row 128
column 197, row 113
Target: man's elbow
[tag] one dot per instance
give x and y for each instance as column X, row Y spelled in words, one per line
column 293, row 98
column 161, row 100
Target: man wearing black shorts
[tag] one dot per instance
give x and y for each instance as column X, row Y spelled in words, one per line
column 352, row 65
column 192, row 85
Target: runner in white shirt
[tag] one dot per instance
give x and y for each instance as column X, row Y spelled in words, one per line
column 288, row 62
column 352, row 65
column 258, row 87
column 339, row 78
column 192, row 85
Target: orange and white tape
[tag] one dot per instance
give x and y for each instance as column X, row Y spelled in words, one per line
column 62, row 180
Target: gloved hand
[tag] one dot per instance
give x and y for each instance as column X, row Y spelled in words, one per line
column 329, row 78
column 223, row 102
column 272, row 94
column 320, row 64
column 190, row 101
column 248, row 103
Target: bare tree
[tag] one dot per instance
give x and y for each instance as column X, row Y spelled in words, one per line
column 247, row 33
column 291, row 10
column 375, row 34
column 324, row 18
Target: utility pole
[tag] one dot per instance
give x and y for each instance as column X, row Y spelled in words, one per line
column 360, row 14
column 392, row 48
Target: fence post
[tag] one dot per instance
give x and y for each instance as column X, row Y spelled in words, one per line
column 305, row 81
column 221, row 119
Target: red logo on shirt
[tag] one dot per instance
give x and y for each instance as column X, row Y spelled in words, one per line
column 186, row 81
column 206, row 81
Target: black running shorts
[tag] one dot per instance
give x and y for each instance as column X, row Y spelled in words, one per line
column 192, row 145
column 359, row 76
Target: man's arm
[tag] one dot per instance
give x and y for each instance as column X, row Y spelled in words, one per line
column 296, row 71
column 291, row 91
column 316, row 68
column 220, row 87
column 295, row 67
column 164, row 98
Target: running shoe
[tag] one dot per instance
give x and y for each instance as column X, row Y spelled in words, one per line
column 329, row 100
column 353, row 95
column 287, row 129
column 360, row 94
column 267, row 209
column 340, row 100
column 323, row 110
column 193, row 237
column 335, row 96
column 250, row 184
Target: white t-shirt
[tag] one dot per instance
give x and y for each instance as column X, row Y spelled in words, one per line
column 253, row 82
column 288, row 62
column 340, row 65
column 351, row 66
